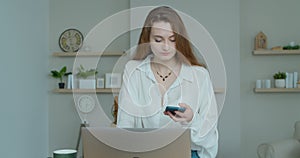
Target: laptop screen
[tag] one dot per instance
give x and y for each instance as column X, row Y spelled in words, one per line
column 136, row 143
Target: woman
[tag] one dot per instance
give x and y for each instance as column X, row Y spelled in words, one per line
column 164, row 72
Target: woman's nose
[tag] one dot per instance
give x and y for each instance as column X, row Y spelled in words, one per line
column 166, row 45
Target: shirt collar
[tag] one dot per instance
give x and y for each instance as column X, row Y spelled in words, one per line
column 186, row 71
column 144, row 66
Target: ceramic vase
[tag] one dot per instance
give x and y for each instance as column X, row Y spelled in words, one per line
column 280, row 83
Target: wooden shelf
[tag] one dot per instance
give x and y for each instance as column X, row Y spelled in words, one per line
column 98, row 90
column 86, row 54
column 277, row 90
column 276, row 52
column 219, row 90
column 105, row 90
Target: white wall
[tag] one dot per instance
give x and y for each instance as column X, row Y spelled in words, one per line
column 267, row 117
column 64, row 121
column 24, row 47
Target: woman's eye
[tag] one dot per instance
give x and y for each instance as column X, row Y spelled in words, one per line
column 172, row 39
column 157, row 40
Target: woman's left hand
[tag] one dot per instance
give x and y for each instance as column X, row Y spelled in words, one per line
column 182, row 117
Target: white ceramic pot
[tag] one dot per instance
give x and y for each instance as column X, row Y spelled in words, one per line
column 280, row 83
column 87, row 84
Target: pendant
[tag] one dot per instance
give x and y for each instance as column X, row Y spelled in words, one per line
column 163, row 77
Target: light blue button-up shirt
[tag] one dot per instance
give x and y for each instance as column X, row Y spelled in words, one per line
column 141, row 106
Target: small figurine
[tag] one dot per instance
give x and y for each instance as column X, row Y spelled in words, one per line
column 260, row 41
column 277, row 48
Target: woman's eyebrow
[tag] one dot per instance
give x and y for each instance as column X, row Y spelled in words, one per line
column 172, row 36
column 159, row 36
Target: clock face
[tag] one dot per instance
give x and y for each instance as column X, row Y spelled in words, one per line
column 70, row 40
column 86, row 104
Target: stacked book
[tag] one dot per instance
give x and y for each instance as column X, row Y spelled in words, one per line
column 291, row 79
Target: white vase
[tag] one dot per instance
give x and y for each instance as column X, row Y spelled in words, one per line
column 280, row 83
column 87, row 84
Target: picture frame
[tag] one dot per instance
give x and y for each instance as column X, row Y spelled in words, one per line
column 100, row 82
column 113, row 80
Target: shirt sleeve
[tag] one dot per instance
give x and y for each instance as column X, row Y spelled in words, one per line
column 126, row 118
column 204, row 133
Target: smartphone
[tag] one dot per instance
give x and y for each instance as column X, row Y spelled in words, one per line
column 172, row 109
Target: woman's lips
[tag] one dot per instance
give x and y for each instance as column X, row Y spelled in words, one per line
column 165, row 53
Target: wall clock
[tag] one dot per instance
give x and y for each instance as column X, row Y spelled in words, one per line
column 86, row 104
column 70, row 40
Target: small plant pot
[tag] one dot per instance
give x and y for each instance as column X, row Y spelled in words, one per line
column 61, row 85
column 280, row 83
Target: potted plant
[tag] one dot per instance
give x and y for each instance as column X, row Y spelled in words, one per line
column 85, row 83
column 279, row 78
column 60, row 74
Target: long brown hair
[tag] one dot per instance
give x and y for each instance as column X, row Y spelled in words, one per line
column 166, row 14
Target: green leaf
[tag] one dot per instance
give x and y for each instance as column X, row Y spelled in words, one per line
column 81, row 68
column 55, row 74
column 279, row 75
column 59, row 74
column 63, row 70
column 68, row 73
column 82, row 73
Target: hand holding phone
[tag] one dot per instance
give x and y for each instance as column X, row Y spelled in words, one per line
column 173, row 108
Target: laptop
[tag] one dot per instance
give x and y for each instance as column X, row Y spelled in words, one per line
column 136, row 143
